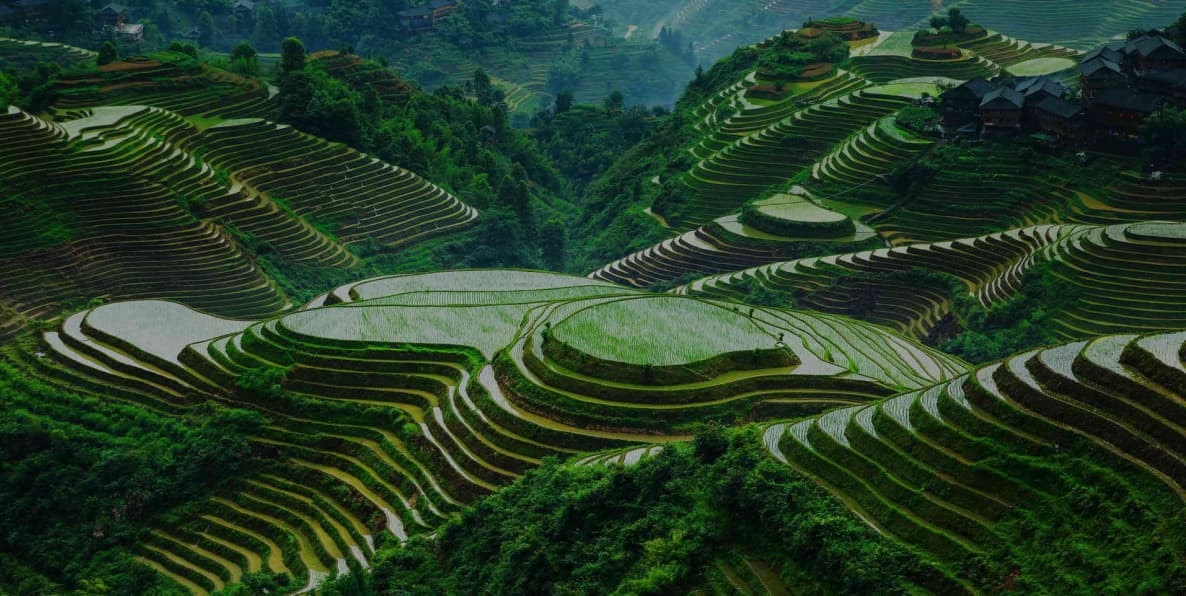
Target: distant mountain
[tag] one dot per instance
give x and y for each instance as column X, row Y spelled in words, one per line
column 715, row 27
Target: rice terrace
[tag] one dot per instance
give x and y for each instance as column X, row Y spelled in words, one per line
column 592, row 297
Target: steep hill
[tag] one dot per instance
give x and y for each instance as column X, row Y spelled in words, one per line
column 185, row 208
column 983, row 464
column 1123, row 277
column 392, row 402
column 169, row 80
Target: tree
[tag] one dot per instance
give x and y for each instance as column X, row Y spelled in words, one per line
column 483, row 88
column 185, row 48
column 1179, row 29
column 1164, row 135
column 8, row 91
column 107, row 54
column 205, row 29
column 292, row 55
column 564, row 101
column 71, row 18
column 560, row 12
column 243, row 51
column 267, row 28
column 243, row 59
column 551, row 243
column 957, row 21
column 614, row 102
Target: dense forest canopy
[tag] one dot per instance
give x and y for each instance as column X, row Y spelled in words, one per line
column 511, row 40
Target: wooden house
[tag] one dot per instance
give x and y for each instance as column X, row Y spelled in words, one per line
column 961, row 105
column 111, row 16
column 1061, row 118
column 1152, row 52
column 1002, row 109
column 1118, row 113
column 1098, row 74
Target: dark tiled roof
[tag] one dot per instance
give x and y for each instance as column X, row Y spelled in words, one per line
column 1126, row 99
column 1105, row 52
column 1035, row 85
column 116, row 8
column 1151, row 45
column 1003, row 99
column 1099, row 66
column 1060, row 107
column 976, row 88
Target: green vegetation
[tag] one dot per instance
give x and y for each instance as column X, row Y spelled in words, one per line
column 468, row 147
column 8, row 91
column 796, row 217
column 224, row 370
column 1025, row 321
column 683, row 520
column 413, row 396
column 787, row 56
column 975, row 470
column 1041, row 66
column 639, row 331
column 82, row 475
column 1164, row 136
column 584, row 140
column 107, row 54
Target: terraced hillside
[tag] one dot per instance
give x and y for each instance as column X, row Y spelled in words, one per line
column 772, row 230
column 752, row 144
column 980, row 464
column 18, row 54
column 137, row 202
column 717, row 26
column 842, row 139
column 359, row 74
column 170, row 80
column 394, row 401
column 1126, row 278
column 1078, row 25
column 746, row 164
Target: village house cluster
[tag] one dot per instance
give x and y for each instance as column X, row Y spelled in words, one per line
column 1121, row 84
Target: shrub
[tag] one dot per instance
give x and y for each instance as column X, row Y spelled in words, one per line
column 107, row 54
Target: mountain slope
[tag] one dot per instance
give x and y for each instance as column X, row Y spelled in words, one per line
column 717, row 26
column 982, row 464
column 393, row 402
column 184, row 208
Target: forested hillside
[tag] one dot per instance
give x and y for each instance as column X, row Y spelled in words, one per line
column 534, row 50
